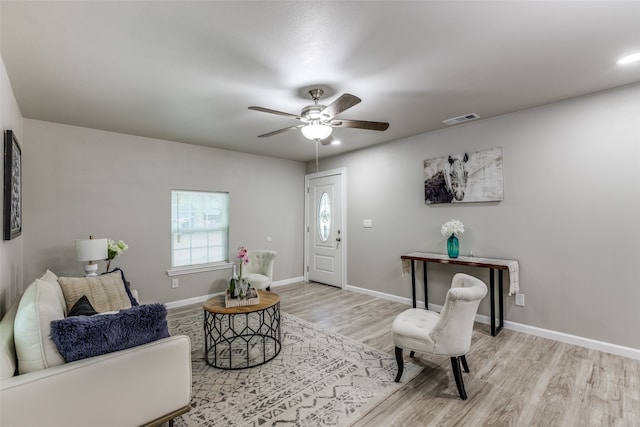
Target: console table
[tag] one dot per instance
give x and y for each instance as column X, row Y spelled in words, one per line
column 492, row 264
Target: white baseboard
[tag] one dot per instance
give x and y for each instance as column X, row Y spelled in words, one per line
column 203, row 298
column 190, row 301
column 287, row 281
column 632, row 353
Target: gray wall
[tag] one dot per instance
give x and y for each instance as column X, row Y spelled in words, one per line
column 10, row 250
column 572, row 200
column 80, row 181
column 570, row 213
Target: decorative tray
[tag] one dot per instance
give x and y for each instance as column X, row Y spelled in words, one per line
column 240, row 302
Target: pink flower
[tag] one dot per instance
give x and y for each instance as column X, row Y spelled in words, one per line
column 242, row 254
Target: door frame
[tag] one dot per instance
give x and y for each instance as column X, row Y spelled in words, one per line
column 307, row 178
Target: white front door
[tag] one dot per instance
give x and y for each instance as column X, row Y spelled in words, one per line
column 325, row 233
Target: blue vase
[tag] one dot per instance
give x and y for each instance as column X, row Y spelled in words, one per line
column 453, row 246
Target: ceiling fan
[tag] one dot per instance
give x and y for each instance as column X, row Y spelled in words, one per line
column 319, row 120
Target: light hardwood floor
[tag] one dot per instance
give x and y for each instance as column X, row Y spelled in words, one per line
column 515, row 380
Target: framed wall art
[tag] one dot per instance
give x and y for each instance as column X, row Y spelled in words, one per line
column 12, row 186
column 462, row 178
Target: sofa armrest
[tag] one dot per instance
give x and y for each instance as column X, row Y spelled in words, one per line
column 125, row 388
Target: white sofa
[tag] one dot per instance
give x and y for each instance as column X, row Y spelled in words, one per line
column 145, row 385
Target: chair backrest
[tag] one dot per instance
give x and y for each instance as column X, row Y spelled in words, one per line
column 260, row 262
column 452, row 333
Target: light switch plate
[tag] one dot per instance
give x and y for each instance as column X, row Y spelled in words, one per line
column 367, row 223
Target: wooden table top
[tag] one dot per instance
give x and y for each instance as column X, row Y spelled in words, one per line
column 216, row 304
column 501, row 264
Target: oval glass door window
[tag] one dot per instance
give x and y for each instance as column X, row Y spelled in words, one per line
column 324, row 218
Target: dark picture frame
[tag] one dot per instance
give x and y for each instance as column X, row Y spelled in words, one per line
column 12, row 186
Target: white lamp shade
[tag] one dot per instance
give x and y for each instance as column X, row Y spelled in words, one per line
column 91, row 249
column 316, row 131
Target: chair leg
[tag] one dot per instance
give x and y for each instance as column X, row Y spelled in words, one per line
column 455, row 364
column 465, row 367
column 400, row 364
column 413, row 353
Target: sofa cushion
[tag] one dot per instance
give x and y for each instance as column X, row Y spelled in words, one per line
column 105, row 292
column 80, row 337
column 40, row 304
column 127, row 287
column 82, row 307
column 8, row 360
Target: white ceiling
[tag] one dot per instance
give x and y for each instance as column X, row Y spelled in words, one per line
column 187, row 71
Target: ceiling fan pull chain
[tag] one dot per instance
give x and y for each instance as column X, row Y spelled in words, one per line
column 317, row 142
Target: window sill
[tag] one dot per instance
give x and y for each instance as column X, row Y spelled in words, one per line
column 200, row 268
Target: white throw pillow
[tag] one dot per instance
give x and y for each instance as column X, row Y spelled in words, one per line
column 40, row 304
column 51, row 277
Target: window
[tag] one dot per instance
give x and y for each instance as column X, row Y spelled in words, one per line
column 199, row 228
column 324, row 218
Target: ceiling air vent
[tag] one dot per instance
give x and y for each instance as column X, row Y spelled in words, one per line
column 460, row 119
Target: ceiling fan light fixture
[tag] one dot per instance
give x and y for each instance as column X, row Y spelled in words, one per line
column 315, row 131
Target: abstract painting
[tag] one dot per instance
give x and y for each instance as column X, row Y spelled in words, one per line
column 12, row 186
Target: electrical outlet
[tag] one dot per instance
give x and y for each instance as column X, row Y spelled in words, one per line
column 174, row 283
column 520, row 300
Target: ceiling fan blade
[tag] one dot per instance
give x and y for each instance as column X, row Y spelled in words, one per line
column 280, row 113
column 275, row 132
column 359, row 124
column 341, row 104
column 327, row 141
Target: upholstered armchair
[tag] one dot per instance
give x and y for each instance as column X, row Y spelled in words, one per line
column 445, row 334
column 259, row 270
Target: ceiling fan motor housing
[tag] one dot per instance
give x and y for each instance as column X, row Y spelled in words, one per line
column 312, row 112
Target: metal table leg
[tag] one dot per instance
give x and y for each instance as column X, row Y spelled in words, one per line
column 424, row 275
column 492, row 293
column 413, row 282
column 492, row 297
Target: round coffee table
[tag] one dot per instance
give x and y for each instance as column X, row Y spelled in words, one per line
column 242, row 337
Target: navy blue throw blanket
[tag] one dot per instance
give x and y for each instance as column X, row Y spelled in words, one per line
column 80, row 337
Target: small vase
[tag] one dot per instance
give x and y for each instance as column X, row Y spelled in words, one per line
column 244, row 287
column 453, row 246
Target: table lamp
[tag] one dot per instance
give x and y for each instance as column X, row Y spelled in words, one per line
column 91, row 250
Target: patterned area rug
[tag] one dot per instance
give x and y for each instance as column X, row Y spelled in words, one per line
column 318, row 379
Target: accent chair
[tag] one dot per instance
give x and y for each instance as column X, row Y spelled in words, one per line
column 445, row 334
column 259, row 270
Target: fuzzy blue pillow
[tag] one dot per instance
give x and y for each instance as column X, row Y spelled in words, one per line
column 80, row 337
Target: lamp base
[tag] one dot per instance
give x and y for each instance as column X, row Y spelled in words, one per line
column 91, row 269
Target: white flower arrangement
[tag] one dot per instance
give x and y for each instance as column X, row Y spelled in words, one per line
column 114, row 250
column 453, row 227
